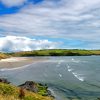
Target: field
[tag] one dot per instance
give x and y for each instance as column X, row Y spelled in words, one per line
column 57, row 52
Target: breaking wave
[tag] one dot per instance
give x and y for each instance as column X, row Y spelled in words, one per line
column 16, row 68
column 78, row 76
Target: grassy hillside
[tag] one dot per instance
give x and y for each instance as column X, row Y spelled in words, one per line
column 3, row 56
column 51, row 52
column 58, row 52
column 10, row 92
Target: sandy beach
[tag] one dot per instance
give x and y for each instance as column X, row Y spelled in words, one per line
column 14, row 62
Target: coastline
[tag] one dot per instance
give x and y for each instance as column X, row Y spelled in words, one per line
column 15, row 62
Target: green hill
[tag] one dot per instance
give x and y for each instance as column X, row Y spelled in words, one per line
column 57, row 52
column 51, row 52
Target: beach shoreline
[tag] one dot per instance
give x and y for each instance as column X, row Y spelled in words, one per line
column 15, row 62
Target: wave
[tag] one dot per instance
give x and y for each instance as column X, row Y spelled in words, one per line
column 78, row 61
column 78, row 76
column 69, row 69
column 59, row 63
column 21, row 67
column 60, row 75
column 9, row 69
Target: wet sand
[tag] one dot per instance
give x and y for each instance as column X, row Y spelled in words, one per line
column 14, row 62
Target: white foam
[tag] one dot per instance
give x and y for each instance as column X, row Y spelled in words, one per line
column 78, row 76
column 59, row 63
column 60, row 75
column 9, row 69
column 21, row 67
column 73, row 59
column 76, row 61
column 13, row 59
column 70, row 70
column 3, row 69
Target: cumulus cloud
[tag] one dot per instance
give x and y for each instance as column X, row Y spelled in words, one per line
column 11, row 3
column 17, row 43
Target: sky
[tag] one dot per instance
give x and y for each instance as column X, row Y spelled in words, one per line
column 27, row 25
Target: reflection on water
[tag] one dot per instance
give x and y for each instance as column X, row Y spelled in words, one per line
column 68, row 77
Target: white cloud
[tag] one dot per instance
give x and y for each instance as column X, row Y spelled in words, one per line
column 80, row 6
column 40, row 21
column 71, row 6
column 17, row 43
column 70, row 19
column 11, row 3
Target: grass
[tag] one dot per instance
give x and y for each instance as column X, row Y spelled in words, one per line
column 42, row 90
column 10, row 92
column 57, row 52
column 51, row 52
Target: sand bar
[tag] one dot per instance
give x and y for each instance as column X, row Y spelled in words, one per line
column 14, row 62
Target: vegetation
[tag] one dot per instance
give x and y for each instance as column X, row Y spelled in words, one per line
column 51, row 52
column 10, row 92
column 57, row 52
column 3, row 55
column 42, row 89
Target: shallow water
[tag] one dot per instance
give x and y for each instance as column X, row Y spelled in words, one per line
column 70, row 78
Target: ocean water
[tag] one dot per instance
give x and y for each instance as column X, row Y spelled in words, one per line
column 68, row 78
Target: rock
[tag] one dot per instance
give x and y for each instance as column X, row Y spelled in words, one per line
column 30, row 85
column 3, row 80
column 37, row 88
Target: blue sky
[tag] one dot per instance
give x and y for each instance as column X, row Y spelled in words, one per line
column 4, row 9
column 49, row 24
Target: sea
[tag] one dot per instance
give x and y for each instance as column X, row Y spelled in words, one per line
column 68, row 77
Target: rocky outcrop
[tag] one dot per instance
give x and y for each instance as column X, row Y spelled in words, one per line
column 37, row 88
column 33, row 87
column 30, row 85
column 3, row 80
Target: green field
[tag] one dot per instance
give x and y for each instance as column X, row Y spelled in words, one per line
column 57, row 52
column 51, row 52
